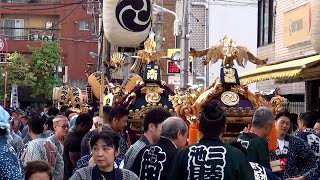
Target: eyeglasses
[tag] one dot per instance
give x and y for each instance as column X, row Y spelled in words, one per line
column 63, row 126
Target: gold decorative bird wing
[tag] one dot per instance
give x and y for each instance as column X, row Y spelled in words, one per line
column 212, row 54
column 137, row 64
column 195, row 53
column 243, row 55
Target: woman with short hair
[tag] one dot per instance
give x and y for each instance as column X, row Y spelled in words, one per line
column 104, row 148
column 38, row 170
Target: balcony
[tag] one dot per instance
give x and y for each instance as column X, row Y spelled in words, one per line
column 30, row 34
column 20, row 38
column 32, row 1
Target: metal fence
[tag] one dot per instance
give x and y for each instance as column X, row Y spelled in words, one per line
column 33, row 1
column 31, row 34
column 296, row 107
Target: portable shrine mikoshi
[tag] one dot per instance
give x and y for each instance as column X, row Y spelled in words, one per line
column 145, row 90
column 238, row 103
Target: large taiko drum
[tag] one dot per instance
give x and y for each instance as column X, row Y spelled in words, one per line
column 127, row 23
column 94, row 81
column 131, row 82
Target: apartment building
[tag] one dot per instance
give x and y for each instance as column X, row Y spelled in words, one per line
column 25, row 22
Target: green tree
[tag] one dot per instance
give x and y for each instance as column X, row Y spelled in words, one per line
column 44, row 60
column 18, row 73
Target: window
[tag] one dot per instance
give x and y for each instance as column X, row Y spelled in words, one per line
column 13, row 28
column 2, row 57
column 84, row 26
column 265, row 22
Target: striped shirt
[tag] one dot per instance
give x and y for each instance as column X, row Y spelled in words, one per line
column 133, row 151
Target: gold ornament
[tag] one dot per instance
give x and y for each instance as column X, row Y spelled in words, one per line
column 150, row 45
column 152, row 92
column 227, row 51
column 117, row 60
column 153, row 97
column 149, row 54
column 230, row 98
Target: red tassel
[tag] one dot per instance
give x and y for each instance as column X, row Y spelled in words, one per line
column 193, row 133
column 272, row 139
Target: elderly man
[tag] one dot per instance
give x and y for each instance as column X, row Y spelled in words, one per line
column 153, row 162
column 255, row 139
column 61, row 128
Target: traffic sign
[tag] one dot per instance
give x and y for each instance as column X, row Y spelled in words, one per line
column 173, row 68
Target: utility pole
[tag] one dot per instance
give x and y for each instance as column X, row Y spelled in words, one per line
column 185, row 44
column 159, row 27
column 103, row 75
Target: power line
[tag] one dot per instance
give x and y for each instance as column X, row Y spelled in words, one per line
column 40, row 4
column 41, row 9
column 54, row 25
column 233, row 3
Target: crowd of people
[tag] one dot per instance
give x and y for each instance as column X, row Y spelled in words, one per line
column 61, row 145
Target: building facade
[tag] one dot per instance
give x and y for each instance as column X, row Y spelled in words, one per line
column 284, row 29
column 24, row 23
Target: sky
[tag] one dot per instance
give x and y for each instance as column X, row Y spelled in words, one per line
column 238, row 23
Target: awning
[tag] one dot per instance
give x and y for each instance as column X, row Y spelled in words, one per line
column 300, row 68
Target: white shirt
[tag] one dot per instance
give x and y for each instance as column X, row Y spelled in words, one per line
column 280, row 144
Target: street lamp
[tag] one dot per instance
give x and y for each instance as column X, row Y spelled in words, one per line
column 93, row 54
column 206, row 6
column 176, row 24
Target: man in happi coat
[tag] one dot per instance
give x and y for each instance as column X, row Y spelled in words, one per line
column 61, row 127
column 306, row 122
column 295, row 155
column 255, row 140
column 154, row 161
column 10, row 168
column 152, row 126
column 210, row 158
column 260, row 172
column 41, row 148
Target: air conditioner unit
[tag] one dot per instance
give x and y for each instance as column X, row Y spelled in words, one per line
column 47, row 38
column 50, row 37
column 36, row 37
column 31, row 37
column 48, row 25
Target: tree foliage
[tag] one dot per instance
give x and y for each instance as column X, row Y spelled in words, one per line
column 44, row 60
column 18, row 73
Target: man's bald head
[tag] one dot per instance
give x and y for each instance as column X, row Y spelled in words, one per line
column 171, row 127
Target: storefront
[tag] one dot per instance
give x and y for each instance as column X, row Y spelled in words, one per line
column 300, row 70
